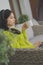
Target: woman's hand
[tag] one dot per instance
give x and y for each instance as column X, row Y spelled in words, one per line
column 37, row 44
column 25, row 26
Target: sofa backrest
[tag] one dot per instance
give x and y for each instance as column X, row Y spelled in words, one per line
column 37, row 29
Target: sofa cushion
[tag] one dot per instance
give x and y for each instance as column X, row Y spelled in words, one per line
column 29, row 33
column 38, row 29
column 35, row 22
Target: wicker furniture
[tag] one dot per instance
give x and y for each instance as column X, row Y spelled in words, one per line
column 27, row 57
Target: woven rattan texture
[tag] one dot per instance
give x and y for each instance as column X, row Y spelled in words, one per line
column 27, row 57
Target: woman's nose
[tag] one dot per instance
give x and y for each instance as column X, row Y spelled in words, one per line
column 14, row 19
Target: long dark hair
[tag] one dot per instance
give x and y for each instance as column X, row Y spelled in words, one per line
column 4, row 14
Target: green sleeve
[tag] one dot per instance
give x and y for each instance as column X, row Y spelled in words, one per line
column 29, row 44
column 24, row 34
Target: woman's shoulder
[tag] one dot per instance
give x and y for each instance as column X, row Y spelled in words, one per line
column 7, row 32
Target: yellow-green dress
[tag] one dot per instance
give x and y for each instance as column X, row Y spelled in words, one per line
column 18, row 40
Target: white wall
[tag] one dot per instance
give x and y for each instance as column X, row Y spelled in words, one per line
column 22, row 6
column 4, row 4
column 16, row 8
column 26, row 8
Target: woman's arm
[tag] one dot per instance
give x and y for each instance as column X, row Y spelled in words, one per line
column 24, row 27
column 37, row 44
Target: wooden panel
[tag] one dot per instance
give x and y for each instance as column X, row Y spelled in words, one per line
column 33, row 4
column 12, row 8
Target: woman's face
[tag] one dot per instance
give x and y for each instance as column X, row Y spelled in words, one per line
column 11, row 20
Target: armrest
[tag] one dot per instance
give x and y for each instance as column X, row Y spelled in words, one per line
column 36, row 38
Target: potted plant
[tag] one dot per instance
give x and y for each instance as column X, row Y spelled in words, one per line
column 22, row 19
column 5, row 49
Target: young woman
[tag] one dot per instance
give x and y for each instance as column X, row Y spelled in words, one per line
column 16, row 38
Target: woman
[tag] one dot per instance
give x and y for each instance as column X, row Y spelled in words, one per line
column 16, row 38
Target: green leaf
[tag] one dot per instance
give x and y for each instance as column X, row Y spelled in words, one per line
column 23, row 18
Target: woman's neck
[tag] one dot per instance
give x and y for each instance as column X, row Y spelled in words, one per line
column 11, row 26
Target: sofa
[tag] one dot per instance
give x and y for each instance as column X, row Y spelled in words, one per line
column 30, row 56
column 34, row 32
column 38, row 33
